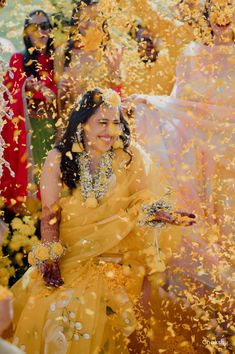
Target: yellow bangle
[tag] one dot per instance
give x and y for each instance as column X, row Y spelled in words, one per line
column 147, row 215
column 45, row 251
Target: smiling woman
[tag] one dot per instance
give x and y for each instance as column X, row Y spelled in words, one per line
column 92, row 195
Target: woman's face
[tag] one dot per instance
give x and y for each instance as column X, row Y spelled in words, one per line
column 102, row 129
column 2, row 3
column 88, row 18
column 89, row 32
column 221, row 18
column 38, row 31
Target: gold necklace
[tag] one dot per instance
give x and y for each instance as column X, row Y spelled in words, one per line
column 93, row 188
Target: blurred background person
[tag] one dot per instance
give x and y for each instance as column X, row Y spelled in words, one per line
column 198, row 110
column 147, row 67
column 90, row 58
column 31, row 131
column 6, row 310
column 154, row 33
column 191, row 135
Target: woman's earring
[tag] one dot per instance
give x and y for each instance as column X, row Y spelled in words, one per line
column 78, row 146
column 118, row 144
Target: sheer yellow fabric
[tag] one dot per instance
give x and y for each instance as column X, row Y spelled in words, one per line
column 103, row 269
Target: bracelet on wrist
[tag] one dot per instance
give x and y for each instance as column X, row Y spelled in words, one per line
column 148, row 213
column 47, row 251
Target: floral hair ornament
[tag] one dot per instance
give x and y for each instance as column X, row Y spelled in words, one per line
column 108, row 97
column 111, row 98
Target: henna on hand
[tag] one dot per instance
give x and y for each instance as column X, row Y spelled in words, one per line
column 189, row 220
column 50, row 232
column 174, row 218
column 50, row 224
column 51, row 274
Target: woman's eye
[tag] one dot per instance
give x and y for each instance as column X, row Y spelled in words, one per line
column 103, row 123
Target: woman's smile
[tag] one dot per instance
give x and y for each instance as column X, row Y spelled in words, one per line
column 107, row 139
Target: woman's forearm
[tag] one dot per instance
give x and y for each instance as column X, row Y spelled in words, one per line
column 50, row 224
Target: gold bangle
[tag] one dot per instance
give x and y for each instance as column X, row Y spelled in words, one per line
column 147, row 215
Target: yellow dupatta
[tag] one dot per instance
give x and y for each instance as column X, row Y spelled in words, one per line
column 108, row 228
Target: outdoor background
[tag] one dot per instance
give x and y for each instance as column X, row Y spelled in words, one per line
column 13, row 15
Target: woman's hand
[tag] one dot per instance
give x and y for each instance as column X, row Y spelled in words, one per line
column 51, row 274
column 19, row 208
column 49, row 95
column 67, row 81
column 175, row 218
column 32, row 84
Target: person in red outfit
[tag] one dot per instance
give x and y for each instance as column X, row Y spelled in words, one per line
column 31, row 101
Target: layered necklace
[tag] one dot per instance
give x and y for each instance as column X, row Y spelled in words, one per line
column 93, row 188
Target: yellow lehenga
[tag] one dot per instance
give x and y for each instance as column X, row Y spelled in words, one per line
column 108, row 255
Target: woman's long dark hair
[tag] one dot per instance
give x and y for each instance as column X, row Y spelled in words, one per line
column 206, row 15
column 74, row 22
column 30, row 57
column 88, row 105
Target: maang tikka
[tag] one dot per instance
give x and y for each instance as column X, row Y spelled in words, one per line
column 77, row 145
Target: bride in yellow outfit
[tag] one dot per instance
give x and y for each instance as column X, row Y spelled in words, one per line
column 101, row 203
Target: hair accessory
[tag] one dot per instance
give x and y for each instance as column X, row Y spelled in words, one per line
column 111, row 98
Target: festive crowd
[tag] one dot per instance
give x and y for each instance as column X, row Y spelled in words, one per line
column 117, row 182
